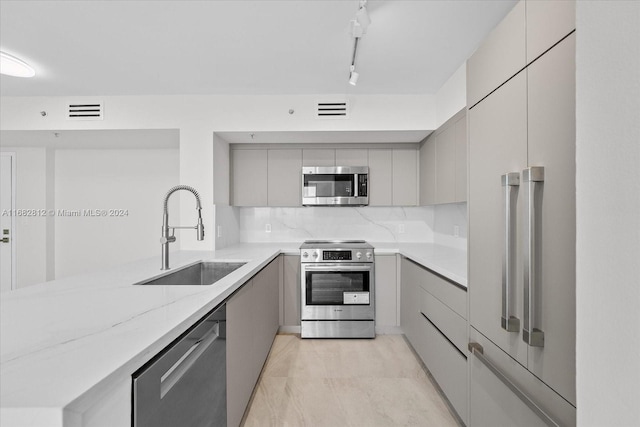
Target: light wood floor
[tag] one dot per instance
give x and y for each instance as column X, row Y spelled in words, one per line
column 335, row 383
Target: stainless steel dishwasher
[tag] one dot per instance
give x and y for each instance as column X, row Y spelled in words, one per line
column 186, row 384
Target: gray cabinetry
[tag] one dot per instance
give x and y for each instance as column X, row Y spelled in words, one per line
column 318, row 157
column 522, row 230
column 501, row 55
column 351, row 157
column 291, row 291
column 405, row 177
column 433, row 319
column 249, row 177
column 428, row 171
column 386, row 291
column 284, row 177
column 443, row 163
column 547, row 22
column 380, row 177
column 252, row 323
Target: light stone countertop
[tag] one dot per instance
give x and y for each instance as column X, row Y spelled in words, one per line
column 65, row 343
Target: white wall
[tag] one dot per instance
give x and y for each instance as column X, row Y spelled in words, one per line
column 198, row 117
column 452, row 96
column 134, row 180
column 31, row 231
column 608, row 213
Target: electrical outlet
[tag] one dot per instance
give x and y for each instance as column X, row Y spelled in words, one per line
column 456, row 231
column 267, row 228
column 401, row 229
column 219, row 231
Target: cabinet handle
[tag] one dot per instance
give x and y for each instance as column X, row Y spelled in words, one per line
column 533, row 178
column 477, row 350
column 510, row 184
column 182, row 366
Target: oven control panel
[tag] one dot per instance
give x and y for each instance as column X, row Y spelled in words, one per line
column 341, row 255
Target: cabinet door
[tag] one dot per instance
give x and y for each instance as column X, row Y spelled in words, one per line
column 284, row 177
column 241, row 378
column 497, row 145
column 428, row 171
column 319, row 157
column 380, row 177
column 249, row 177
column 351, row 157
column 446, row 165
column 461, row 160
column 405, row 177
column 552, row 145
column 501, row 55
column 265, row 301
column 409, row 299
column 548, row 21
column 386, row 290
column 291, row 291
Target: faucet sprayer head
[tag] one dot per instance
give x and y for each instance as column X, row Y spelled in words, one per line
column 200, row 226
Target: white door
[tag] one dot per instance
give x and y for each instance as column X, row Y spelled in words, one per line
column 7, row 222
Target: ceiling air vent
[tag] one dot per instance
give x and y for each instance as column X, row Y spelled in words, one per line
column 85, row 111
column 332, row 110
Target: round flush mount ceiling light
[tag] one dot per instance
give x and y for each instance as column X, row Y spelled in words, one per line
column 12, row 66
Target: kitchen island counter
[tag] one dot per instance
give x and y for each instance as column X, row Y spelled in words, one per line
column 68, row 347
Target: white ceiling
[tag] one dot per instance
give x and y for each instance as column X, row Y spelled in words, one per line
column 239, row 47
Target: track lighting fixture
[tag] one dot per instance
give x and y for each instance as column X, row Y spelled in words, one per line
column 359, row 27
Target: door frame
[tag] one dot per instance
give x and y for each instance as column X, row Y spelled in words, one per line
column 14, row 277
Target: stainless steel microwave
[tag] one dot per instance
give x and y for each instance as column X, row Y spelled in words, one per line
column 335, row 185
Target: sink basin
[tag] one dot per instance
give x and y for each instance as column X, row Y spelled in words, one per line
column 202, row 273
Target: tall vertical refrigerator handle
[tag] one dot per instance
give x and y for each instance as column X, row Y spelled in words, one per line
column 510, row 184
column 533, row 178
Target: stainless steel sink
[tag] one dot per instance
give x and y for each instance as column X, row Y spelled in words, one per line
column 202, row 273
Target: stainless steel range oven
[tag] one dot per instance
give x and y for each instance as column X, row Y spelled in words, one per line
column 338, row 289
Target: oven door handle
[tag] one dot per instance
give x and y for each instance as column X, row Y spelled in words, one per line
column 337, row 267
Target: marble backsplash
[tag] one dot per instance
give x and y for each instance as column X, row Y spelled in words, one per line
column 377, row 224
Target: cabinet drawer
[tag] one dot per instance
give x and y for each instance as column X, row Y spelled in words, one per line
column 447, row 365
column 447, row 292
column 492, row 402
column 452, row 325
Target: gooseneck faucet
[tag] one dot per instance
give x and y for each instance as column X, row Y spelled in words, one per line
column 166, row 238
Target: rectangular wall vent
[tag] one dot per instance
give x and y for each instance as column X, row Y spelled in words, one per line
column 85, row 111
column 332, row 110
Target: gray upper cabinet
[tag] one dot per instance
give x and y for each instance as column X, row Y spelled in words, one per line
column 547, row 23
column 428, row 171
column 405, row 177
column 351, row 157
column 446, row 165
column 318, row 157
column 284, row 177
column 461, row 159
column 501, row 55
column 249, row 169
column 380, row 177
column 443, row 163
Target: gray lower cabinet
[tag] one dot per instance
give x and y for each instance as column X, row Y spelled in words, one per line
column 386, row 290
column 291, row 291
column 252, row 323
column 432, row 318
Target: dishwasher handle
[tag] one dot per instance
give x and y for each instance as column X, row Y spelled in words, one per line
column 182, row 366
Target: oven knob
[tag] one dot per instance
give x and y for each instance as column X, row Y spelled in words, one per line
column 369, row 255
column 315, row 254
column 359, row 255
column 305, row 255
